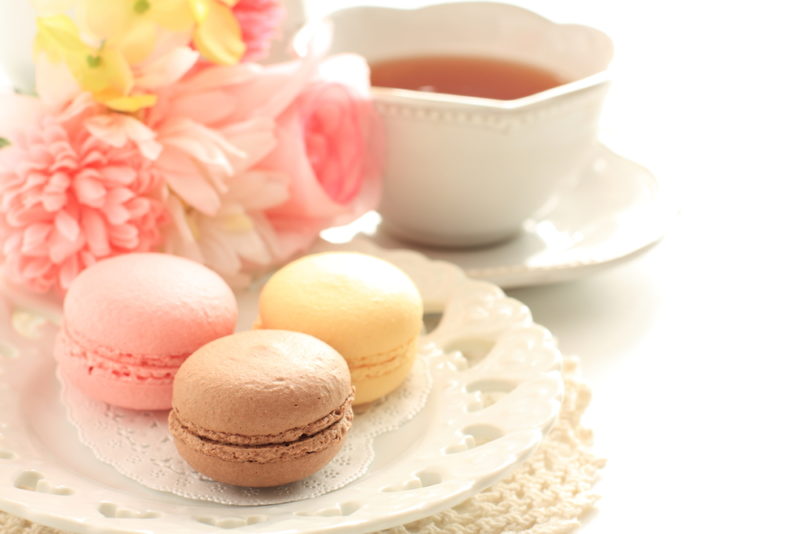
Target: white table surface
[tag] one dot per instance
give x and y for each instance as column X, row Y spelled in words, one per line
column 692, row 350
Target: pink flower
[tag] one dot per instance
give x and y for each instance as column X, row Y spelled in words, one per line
column 68, row 199
column 260, row 21
column 216, row 126
column 307, row 139
column 234, row 241
column 329, row 143
column 218, row 122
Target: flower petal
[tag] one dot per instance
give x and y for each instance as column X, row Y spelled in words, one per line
column 118, row 174
column 34, row 237
column 96, row 233
column 128, row 104
column 60, row 247
column 67, row 226
column 120, row 195
column 217, row 35
column 124, row 236
column 68, row 271
column 116, row 214
column 186, row 179
column 167, row 69
column 206, row 107
column 36, row 268
column 90, row 192
column 204, row 145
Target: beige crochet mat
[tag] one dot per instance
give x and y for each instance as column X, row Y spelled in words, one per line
column 548, row 495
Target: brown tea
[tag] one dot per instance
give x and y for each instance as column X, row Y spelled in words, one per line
column 463, row 75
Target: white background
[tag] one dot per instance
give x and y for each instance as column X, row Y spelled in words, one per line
column 692, row 350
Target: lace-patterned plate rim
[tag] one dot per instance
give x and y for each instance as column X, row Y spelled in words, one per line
column 475, row 428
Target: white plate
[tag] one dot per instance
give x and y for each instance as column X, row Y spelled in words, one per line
column 497, row 388
column 616, row 210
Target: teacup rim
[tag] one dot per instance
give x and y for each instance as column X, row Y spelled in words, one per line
column 409, row 96
column 424, row 97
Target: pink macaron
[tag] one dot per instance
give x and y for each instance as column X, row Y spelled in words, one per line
column 129, row 322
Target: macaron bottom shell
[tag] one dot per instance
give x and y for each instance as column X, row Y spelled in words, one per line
column 254, row 474
column 372, row 383
column 130, row 394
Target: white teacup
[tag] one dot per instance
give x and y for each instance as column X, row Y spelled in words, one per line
column 464, row 171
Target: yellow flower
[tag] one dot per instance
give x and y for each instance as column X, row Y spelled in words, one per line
column 133, row 25
column 122, row 35
column 217, row 35
column 102, row 70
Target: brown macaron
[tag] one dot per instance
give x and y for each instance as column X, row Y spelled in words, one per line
column 261, row 408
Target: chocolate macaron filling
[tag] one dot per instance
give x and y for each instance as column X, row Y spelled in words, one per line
column 290, row 444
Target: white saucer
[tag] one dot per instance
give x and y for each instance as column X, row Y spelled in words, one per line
column 616, row 211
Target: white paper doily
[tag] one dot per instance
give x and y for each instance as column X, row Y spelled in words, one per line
column 139, row 446
column 497, row 387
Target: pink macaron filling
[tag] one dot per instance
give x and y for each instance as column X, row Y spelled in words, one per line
column 124, row 380
column 107, row 361
column 123, row 365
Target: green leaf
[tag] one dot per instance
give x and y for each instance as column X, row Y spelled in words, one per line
column 4, row 142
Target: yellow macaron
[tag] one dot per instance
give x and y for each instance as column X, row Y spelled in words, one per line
column 364, row 307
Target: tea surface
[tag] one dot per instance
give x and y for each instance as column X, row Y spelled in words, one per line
column 463, row 75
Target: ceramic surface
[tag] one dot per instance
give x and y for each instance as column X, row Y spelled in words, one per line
column 616, row 210
column 463, row 170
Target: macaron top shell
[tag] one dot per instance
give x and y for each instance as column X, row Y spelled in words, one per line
column 261, row 382
column 359, row 304
column 149, row 303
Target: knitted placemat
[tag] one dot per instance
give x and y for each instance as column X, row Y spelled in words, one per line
column 548, row 495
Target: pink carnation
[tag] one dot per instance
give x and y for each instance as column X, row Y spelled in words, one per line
column 68, row 199
column 260, row 21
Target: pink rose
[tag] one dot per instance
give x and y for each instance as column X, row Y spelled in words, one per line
column 328, row 142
